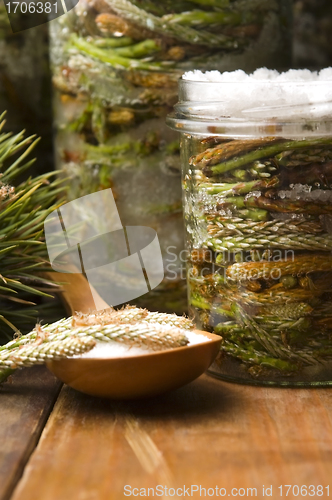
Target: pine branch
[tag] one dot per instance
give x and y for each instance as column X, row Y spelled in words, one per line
column 24, row 205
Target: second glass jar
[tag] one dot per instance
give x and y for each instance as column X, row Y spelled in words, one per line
column 115, row 69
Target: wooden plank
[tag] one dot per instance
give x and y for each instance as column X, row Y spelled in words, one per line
column 25, row 404
column 208, row 434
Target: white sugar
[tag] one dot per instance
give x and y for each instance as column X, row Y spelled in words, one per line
column 112, row 349
column 261, row 74
column 196, row 338
column 262, row 94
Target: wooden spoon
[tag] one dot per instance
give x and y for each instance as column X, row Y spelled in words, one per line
column 76, row 292
column 128, row 377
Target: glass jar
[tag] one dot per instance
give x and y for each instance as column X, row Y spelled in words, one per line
column 115, row 70
column 257, row 191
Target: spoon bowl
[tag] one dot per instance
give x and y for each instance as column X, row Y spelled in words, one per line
column 127, row 377
column 138, row 376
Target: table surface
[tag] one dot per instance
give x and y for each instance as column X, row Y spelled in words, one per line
column 59, row 444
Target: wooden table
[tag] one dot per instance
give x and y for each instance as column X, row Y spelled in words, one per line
column 58, row 444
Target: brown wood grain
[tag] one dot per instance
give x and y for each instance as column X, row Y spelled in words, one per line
column 26, row 400
column 209, row 434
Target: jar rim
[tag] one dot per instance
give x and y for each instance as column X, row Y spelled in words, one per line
column 201, row 113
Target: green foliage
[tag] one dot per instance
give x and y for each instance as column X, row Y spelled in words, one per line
column 24, row 205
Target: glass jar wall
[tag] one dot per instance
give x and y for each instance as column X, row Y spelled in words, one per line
column 258, row 213
column 115, row 69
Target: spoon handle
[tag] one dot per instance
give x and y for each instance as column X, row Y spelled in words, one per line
column 76, row 293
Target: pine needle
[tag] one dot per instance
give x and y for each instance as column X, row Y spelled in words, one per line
column 24, row 205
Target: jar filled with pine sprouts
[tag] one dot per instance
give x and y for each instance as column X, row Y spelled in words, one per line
column 115, row 66
column 257, row 188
